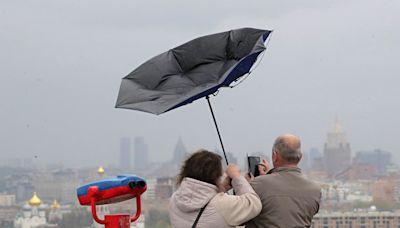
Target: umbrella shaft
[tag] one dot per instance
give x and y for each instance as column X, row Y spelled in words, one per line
column 216, row 126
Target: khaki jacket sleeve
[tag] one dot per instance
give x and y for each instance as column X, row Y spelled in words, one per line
column 239, row 208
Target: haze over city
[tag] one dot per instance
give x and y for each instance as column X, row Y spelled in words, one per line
column 62, row 64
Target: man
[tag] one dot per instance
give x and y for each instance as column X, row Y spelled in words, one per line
column 288, row 198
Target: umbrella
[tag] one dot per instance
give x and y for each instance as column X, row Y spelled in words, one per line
column 191, row 71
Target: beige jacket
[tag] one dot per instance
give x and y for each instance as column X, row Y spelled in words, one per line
column 222, row 211
column 288, row 198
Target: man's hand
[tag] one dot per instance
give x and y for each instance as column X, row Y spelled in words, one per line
column 263, row 167
column 233, row 171
column 249, row 177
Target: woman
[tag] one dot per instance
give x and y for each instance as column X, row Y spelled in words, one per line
column 201, row 186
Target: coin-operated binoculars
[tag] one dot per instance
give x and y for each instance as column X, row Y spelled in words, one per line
column 111, row 191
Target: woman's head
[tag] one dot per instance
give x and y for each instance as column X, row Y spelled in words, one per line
column 202, row 165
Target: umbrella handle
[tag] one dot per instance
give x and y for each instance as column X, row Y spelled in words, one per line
column 216, row 126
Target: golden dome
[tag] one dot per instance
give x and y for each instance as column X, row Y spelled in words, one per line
column 55, row 205
column 35, row 200
column 100, row 170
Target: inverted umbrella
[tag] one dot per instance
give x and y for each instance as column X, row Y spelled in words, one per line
column 191, row 71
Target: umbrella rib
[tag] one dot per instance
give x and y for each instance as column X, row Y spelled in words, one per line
column 216, row 126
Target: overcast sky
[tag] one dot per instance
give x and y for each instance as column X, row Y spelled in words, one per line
column 61, row 64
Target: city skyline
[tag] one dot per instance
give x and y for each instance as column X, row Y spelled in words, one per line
column 126, row 159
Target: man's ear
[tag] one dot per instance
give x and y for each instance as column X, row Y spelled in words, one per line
column 274, row 156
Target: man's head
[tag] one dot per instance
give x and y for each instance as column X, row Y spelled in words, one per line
column 286, row 151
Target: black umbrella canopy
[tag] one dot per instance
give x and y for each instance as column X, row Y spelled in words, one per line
column 191, row 71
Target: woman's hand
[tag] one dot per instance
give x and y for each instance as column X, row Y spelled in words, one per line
column 233, row 171
column 225, row 184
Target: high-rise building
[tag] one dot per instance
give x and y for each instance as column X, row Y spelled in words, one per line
column 337, row 153
column 180, row 153
column 125, row 154
column 377, row 158
column 141, row 153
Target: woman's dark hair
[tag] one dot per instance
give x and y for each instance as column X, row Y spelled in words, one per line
column 202, row 165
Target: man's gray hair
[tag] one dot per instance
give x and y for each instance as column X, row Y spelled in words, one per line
column 290, row 152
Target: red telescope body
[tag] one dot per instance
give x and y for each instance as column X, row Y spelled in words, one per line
column 110, row 191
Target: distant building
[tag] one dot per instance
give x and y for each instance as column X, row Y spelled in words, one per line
column 141, row 153
column 55, row 214
column 378, row 158
column 33, row 215
column 384, row 191
column 180, row 153
column 336, row 193
column 164, row 187
column 60, row 184
column 337, row 153
column 20, row 185
column 7, row 200
column 7, row 215
column 357, row 219
column 358, row 172
column 125, row 154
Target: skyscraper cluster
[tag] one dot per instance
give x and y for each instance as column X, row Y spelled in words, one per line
column 141, row 153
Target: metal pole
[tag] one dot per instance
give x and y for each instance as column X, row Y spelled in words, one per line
column 216, row 126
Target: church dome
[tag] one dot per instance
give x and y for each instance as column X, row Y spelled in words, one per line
column 100, row 170
column 35, row 200
column 55, row 205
